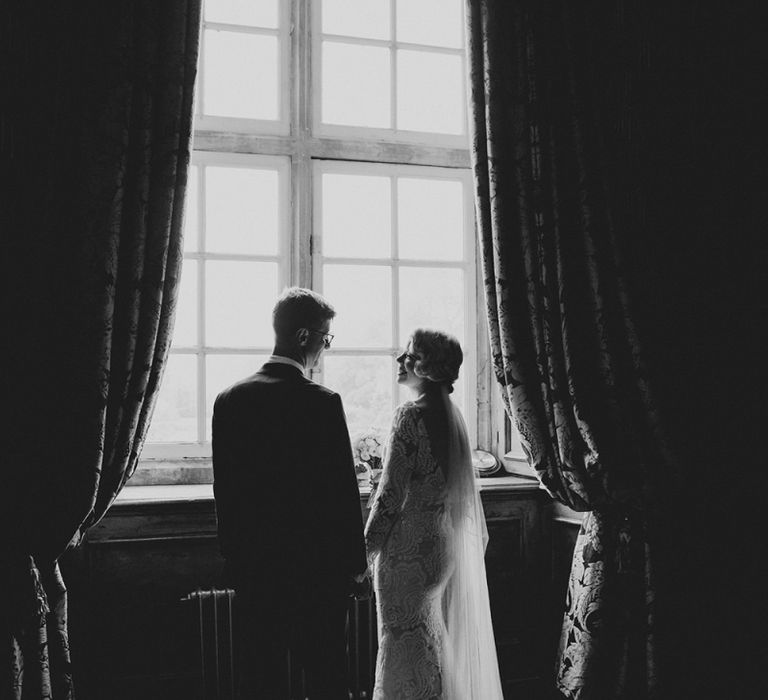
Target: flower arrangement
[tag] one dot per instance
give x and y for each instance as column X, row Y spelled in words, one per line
column 367, row 448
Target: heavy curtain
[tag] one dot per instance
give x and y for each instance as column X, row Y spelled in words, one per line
column 98, row 139
column 556, row 154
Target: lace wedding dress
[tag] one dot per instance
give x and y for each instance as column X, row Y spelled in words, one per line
column 426, row 539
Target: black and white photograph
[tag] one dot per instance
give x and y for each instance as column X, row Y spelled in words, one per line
column 384, row 350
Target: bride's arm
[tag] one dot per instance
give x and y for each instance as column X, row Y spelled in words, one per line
column 393, row 486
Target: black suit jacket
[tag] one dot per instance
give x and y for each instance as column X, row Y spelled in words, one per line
column 287, row 502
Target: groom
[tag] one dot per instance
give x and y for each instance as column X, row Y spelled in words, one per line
column 288, row 509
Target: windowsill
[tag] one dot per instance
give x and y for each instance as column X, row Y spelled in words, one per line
column 134, row 495
column 180, row 473
column 517, row 465
column 175, row 493
column 565, row 515
column 187, row 471
column 187, row 511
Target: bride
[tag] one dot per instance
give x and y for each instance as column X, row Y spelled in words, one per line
column 426, row 540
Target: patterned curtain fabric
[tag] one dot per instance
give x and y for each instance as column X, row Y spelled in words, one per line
column 556, row 144
column 100, row 138
column 39, row 644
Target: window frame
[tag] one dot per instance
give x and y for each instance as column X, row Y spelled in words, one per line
column 224, row 138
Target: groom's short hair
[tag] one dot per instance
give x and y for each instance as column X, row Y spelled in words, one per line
column 298, row 307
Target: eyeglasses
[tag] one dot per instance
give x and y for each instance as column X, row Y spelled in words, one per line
column 327, row 337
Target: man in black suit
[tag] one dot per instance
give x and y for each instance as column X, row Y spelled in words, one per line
column 288, row 510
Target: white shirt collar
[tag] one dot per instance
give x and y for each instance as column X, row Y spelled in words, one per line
column 280, row 360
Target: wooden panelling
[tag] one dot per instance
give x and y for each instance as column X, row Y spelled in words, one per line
column 132, row 636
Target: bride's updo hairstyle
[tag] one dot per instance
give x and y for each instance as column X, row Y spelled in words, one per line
column 441, row 353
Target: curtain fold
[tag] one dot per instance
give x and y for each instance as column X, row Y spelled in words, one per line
column 101, row 144
column 557, row 160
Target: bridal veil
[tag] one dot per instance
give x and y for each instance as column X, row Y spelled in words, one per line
column 470, row 666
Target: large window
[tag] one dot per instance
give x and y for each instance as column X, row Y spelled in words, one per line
column 330, row 151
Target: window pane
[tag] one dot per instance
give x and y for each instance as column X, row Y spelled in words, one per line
column 365, row 386
column 362, row 298
column 239, row 296
column 432, row 22
column 430, row 93
column 190, row 211
column 255, row 13
column 175, row 416
column 241, row 210
column 240, row 75
column 221, row 371
column 362, row 18
column 431, row 298
column 430, row 219
column 355, row 85
column 185, row 323
column 356, row 216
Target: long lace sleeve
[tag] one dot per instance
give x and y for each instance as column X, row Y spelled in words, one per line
column 395, row 478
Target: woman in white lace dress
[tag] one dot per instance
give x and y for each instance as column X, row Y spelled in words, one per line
column 426, row 539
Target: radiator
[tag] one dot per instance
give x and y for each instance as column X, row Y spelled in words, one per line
column 218, row 654
column 213, row 608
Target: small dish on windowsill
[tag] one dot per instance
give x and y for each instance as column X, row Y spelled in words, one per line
column 485, row 463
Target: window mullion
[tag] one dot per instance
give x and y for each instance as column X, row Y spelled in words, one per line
column 393, row 68
column 201, row 270
column 298, row 60
column 300, row 272
column 395, row 280
column 301, row 111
